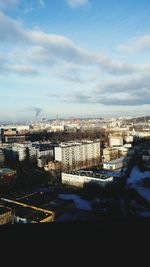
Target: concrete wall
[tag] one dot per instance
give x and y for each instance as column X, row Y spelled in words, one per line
column 80, row 181
column 115, row 165
column 58, row 153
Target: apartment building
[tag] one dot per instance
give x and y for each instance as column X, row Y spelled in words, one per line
column 19, row 150
column 115, row 141
column 77, row 155
column 109, row 154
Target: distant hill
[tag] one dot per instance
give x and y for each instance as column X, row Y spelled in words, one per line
column 139, row 119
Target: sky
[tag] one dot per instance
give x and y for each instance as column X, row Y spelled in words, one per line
column 74, row 58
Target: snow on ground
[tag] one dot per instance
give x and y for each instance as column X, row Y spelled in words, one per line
column 65, row 217
column 144, row 213
column 135, row 181
column 79, row 202
column 144, row 192
column 136, row 176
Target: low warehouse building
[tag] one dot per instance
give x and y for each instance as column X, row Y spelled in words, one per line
column 83, row 178
column 117, row 164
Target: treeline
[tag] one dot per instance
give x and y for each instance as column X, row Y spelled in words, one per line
column 65, row 136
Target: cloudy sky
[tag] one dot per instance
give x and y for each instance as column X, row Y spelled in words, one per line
column 72, row 58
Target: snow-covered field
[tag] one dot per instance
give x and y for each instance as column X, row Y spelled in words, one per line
column 79, row 202
column 144, row 213
column 136, row 176
column 144, row 192
column 135, row 181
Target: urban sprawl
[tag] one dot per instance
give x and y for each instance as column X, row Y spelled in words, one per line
column 74, row 170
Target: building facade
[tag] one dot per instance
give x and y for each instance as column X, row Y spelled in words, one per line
column 5, row 215
column 115, row 141
column 2, row 159
column 75, row 156
column 109, row 154
column 83, row 179
column 116, row 165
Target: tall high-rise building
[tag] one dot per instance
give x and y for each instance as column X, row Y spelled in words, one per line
column 74, row 156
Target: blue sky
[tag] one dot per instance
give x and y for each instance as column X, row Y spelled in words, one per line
column 74, row 58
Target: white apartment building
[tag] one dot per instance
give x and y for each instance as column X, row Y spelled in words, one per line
column 20, row 151
column 36, row 152
column 115, row 141
column 44, row 153
column 16, row 150
column 18, row 127
column 74, row 156
column 32, row 152
column 128, row 138
column 57, row 128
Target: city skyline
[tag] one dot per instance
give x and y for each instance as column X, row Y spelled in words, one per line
column 75, row 58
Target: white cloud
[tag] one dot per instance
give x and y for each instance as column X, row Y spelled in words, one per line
column 4, row 4
column 29, row 10
column 7, row 67
column 23, row 70
column 42, row 3
column 134, row 91
column 140, row 43
column 11, row 31
column 128, row 92
column 71, row 73
column 62, row 48
column 47, row 49
column 39, row 55
column 77, row 3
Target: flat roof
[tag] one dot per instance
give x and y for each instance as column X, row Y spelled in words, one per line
column 115, row 161
column 90, row 174
column 31, row 215
column 4, row 210
column 6, row 170
column 57, row 204
column 37, row 198
column 67, row 144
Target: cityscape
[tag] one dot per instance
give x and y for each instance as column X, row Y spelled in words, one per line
column 75, row 170
column 74, row 111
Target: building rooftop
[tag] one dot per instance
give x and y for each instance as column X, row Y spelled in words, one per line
column 67, row 144
column 6, row 170
column 31, row 215
column 116, row 160
column 90, row 174
column 4, row 210
column 37, row 198
column 58, row 205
